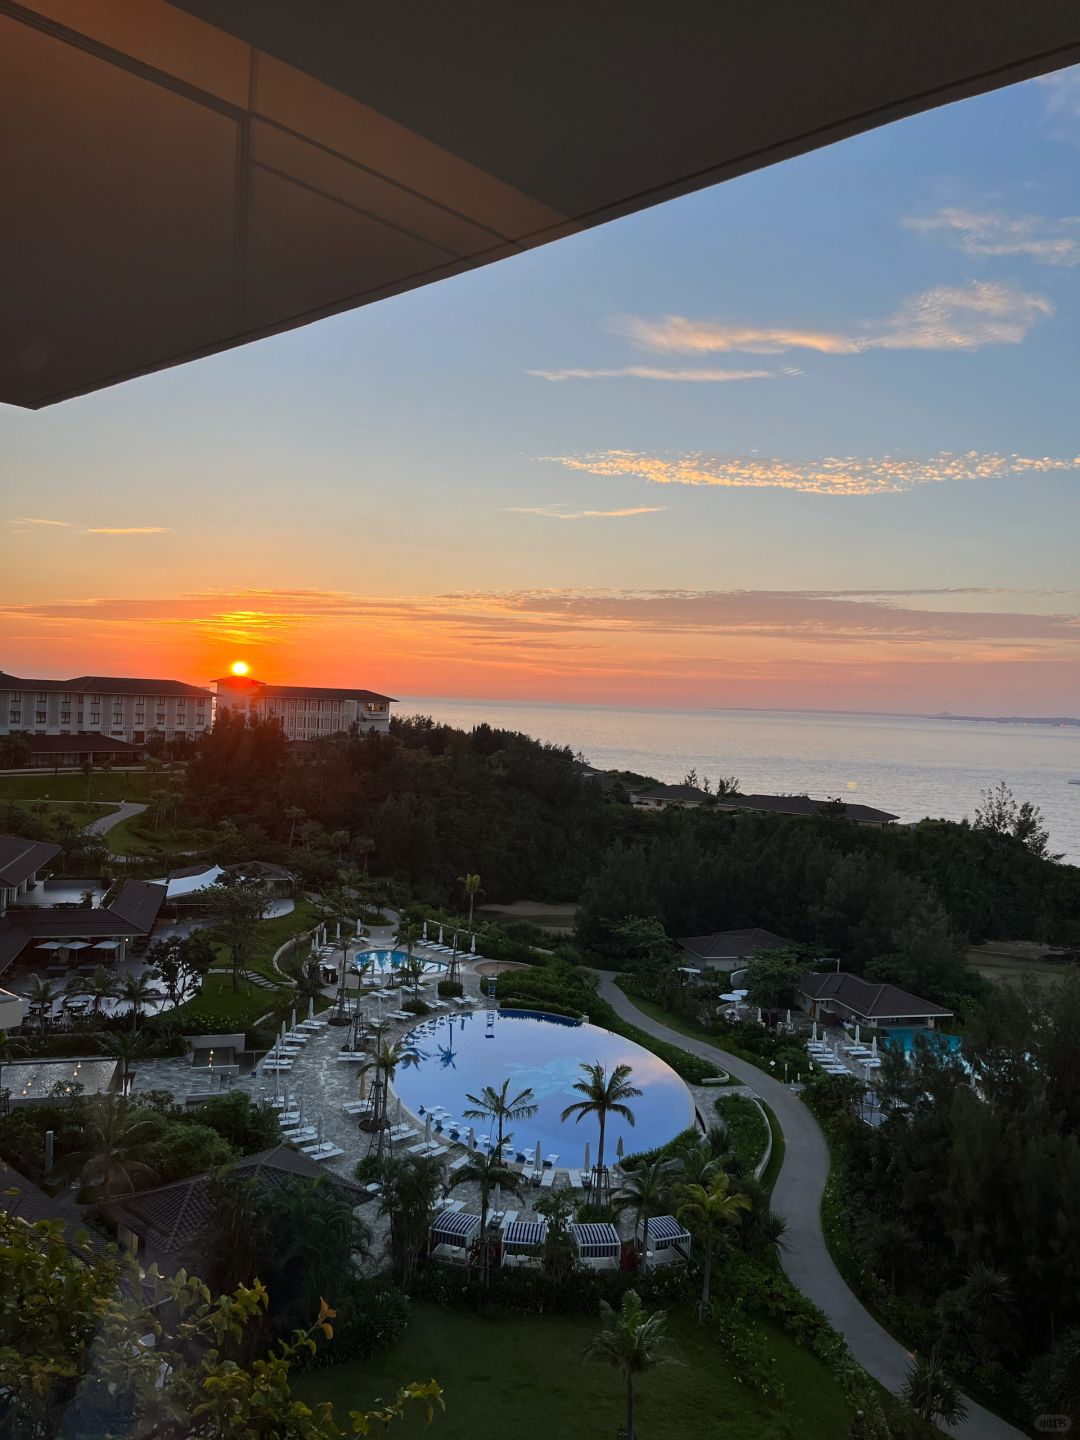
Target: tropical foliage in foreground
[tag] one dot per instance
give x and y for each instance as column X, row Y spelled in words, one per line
column 86, row 1348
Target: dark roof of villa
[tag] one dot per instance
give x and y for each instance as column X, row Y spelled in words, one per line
column 672, row 792
column 805, row 805
column 13, row 942
column 33, row 1205
column 105, row 685
column 733, row 944
column 139, row 903
column 170, row 1218
column 869, row 1000
column 319, row 692
column 20, row 858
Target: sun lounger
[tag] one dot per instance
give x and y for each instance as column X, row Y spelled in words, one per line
column 459, row 1162
column 300, row 1136
column 547, row 1179
column 351, row 1057
column 357, row 1107
column 508, row 1219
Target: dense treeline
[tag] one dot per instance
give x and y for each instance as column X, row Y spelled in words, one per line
column 965, row 1200
column 427, row 803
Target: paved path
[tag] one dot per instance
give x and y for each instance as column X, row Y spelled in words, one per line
column 797, row 1197
column 106, row 823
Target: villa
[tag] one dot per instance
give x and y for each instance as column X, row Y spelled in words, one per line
column 730, row 949
column 21, row 864
column 836, row 994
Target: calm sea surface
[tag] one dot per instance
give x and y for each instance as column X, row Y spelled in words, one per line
column 910, row 766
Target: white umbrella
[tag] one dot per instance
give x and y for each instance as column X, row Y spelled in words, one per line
column 283, row 1032
column 759, row 1014
column 789, row 1019
column 440, row 934
column 588, row 1158
column 619, row 1148
column 286, row 1105
column 277, row 1083
column 337, row 931
column 311, row 1007
column 857, row 1034
column 398, row 1115
column 472, row 1138
column 359, row 928
column 77, row 945
column 538, row 1158
column 427, row 1129
column 454, row 941
column 873, row 1048
column 472, row 944
column 292, row 1019
column 813, row 1033
column 425, row 930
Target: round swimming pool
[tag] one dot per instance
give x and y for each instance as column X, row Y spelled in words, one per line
column 380, row 961
column 457, row 1055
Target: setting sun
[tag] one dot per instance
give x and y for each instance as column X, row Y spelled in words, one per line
column 239, row 667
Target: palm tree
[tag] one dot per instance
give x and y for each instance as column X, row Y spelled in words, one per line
column 99, row 986
column 413, row 970
column 229, row 1242
column 138, row 991
column 337, row 907
column 410, row 1188
column 645, row 1191
column 409, row 933
column 470, row 888
column 385, row 1064
column 604, row 1095
column 125, row 1048
column 931, row 1393
column 40, row 998
column 632, row 1342
column 486, row 1169
column 116, row 1133
column 497, row 1105
column 713, row 1208
column 293, row 813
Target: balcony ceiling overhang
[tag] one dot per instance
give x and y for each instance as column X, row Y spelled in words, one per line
column 179, row 178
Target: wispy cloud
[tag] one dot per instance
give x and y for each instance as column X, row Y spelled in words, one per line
column 992, row 232
column 560, row 512
column 948, row 317
column 36, row 520
column 128, row 530
column 652, row 372
column 1061, row 110
column 848, row 475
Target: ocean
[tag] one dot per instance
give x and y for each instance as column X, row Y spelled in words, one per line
column 911, row 766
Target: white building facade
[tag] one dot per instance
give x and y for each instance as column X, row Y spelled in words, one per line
column 306, row 712
column 127, row 709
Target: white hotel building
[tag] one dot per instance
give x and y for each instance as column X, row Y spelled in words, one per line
column 131, row 710
column 306, row 712
column 135, row 709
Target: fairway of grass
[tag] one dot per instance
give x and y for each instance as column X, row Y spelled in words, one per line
column 1013, row 962
column 136, row 836
column 523, row 1376
column 103, row 785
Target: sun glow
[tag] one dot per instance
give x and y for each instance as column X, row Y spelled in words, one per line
column 239, row 667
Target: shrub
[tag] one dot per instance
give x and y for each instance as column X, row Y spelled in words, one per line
column 415, row 1006
column 747, row 1129
column 531, row 1292
column 449, row 988
column 367, row 1169
column 371, row 1315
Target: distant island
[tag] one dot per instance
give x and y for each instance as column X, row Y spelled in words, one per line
column 1010, row 719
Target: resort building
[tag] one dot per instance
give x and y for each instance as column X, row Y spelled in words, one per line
column 730, row 949
column 21, row 864
column 67, row 752
column 104, row 705
column 838, row 995
column 305, row 712
column 690, row 797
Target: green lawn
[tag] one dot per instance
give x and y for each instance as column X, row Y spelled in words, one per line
column 524, row 1377
column 131, row 785
column 80, row 811
column 240, row 1008
column 137, row 836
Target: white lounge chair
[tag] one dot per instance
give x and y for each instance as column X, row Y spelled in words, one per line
column 547, row 1179
column 459, row 1162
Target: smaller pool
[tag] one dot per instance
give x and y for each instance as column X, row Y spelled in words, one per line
column 904, row 1036
column 378, row 962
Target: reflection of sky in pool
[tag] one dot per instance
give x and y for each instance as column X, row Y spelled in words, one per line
column 383, row 960
column 460, row 1054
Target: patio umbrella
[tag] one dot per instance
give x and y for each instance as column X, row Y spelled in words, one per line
column 311, row 1007
column 107, row 945
column 277, row 1084
column 398, row 1111
column 759, row 1014
column 301, row 1106
column 472, row 944
column 857, row 1034
column 440, row 934
column 588, row 1158
column 472, row 1138
column 286, row 1105
column 619, row 1151
column 320, row 1127
column 427, row 1129
column 538, row 1158
column 789, row 1019
column 359, row 928
column 873, row 1048
column 49, row 945
column 425, row 932
column 337, row 931
column 292, row 1019
column 78, row 945
column 813, row 1034
column 282, row 1036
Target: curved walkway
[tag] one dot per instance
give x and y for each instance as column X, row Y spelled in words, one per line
column 797, row 1197
column 106, row 822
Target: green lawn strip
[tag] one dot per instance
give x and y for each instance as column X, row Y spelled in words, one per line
column 776, row 1159
column 102, row 785
column 524, row 1376
column 218, row 999
column 748, row 1130
column 136, row 836
column 79, row 811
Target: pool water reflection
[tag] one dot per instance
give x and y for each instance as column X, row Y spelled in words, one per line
column 380, row 961
column 457, row 1055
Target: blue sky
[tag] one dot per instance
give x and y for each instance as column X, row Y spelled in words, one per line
column 392, row 490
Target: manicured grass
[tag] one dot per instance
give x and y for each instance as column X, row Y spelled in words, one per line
column 273, row 934
column 103, row 785
column 80, row 811
column 748, row 1131
column 218, row 998
column 776, row 1158
column 524, row 1376
column 136, row 836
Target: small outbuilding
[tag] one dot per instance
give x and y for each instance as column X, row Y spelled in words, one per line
column 523, row 1242
column 667, row 1239
column 451, row 1236
column 598, row 1245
